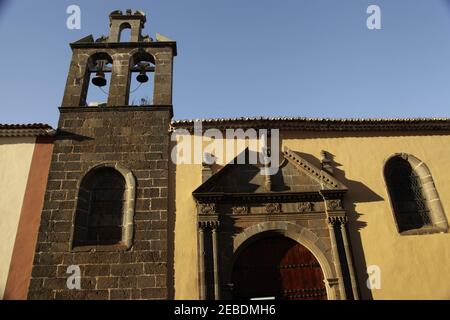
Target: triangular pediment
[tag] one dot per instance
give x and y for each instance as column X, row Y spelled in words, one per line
column 295, row 175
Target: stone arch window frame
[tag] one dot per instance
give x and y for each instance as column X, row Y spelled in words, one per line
column 436, row 213
column 90, row 63
column 302, row 235
column 136, row 56
column 128, row 210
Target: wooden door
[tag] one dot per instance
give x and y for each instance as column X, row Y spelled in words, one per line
column 278, row 267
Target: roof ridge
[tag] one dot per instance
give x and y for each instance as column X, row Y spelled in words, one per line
column 319, row 124
column 295, row 118
column 25, row 126
column 26, row 130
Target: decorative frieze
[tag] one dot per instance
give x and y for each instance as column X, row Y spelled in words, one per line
column 273, row 208
column 305, row 207
column 239, row 210
column 206, row 208
column 334, row 204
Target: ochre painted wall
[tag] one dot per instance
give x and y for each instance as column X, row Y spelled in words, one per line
column 185, row 256
column 188, row 177
column 412, row 267
column 27, row 230
column 15, row 161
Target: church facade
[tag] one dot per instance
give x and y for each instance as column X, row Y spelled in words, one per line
column 139, row 206
column 346, row 191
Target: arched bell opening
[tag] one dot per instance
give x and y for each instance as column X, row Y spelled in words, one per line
column 125, row 32
column 99, row 79
column 142, row 71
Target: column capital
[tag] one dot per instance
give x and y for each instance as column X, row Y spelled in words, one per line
column 213, row 224
column 335, row 220
column 332, row 221
column 343, row 221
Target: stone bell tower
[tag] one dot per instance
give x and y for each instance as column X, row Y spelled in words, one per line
column 106, row 204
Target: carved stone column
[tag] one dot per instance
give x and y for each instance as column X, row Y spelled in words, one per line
column 349, row 258
column 201, row 267
column 214, row 227
column 331, row 222
column 208, row 219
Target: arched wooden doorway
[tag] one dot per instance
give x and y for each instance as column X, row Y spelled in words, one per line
column 279, row 267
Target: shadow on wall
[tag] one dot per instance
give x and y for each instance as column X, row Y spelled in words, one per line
column 357, row 193
column 66, row 135
column 227, row 255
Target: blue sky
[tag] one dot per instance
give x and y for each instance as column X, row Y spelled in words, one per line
column 313, row 58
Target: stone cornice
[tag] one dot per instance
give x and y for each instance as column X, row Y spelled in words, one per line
column 115, row 45
column 149, row 108
column 214, row 197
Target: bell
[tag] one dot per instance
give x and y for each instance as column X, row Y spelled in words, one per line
column 99, row 79
column 142, row 77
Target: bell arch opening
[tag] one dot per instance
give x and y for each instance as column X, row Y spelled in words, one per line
column 142, row 77
column 98, row 80
column 125, row 32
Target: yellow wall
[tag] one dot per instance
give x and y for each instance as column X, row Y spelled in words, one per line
column 188, row 177
column 412, row 267
column 185, row 256
column 15, row 161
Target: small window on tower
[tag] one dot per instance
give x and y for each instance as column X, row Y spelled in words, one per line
column 125, row 33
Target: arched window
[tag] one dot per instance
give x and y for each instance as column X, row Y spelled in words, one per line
column 405, row 190
column 414, row 199
column 104, row 209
